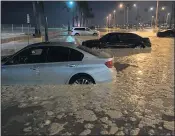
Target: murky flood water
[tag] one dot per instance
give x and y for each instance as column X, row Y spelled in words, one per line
column 139, row 102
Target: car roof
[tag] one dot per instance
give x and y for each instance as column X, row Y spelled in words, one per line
column 63, row 44
column 121, row 33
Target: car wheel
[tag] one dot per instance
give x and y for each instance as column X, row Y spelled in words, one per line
column 95, row 48
column 139, row 46
column 82, row 80
column 95, row 34
column 77, row 34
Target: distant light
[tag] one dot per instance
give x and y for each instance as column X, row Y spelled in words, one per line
column 121, row 5
column 151, row 8
column 114, row 11
column 152, row 16
column 163, row 8
column 135, row 5
column 168, row 14
column 71, row 2
column 107, row 17
column 109, row 14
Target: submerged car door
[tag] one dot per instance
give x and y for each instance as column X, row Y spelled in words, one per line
column 113, row 41
column 61, row 64
column 23, row 67
column 129, row 40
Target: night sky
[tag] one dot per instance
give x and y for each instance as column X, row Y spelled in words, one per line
column 15, row 12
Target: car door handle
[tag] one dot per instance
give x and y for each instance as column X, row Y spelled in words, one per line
column 71, row 65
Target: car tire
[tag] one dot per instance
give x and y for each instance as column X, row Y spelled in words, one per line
column 82, row 79
column 95, row 34
column 77, row 34
column 95, row 48
column 139, row 46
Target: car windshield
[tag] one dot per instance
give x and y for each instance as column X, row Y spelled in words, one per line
column 97, row 53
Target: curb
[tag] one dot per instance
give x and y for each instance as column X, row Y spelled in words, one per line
column 15, row 39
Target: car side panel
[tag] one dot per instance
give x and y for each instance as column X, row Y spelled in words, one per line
column 96, row 69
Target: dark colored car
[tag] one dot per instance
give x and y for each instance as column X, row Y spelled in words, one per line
column 118, row 40
column 166, row 33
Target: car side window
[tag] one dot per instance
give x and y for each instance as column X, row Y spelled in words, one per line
column 87, row 29
column 80, row 29
column 133, row 36
column 113, row 38
column 128, row 37
column 63, row 54
column 75, row 55
column 29, row 56
column 58, row 54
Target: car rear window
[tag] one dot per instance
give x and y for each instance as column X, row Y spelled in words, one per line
column 98, row 53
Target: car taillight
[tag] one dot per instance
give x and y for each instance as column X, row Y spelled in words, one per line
column 109, row 64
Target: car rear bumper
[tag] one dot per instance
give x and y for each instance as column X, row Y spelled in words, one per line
column 106, row 76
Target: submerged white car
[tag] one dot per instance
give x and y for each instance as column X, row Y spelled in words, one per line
column 77, row 31
column 57, row 63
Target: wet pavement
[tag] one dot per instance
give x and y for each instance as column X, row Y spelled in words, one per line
column 140, row 102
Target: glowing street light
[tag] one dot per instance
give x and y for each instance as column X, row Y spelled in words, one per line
column 152, row 16
column 121, row 5
column 168, row 14
column 114, row 11
column 135, row 5
column 163, row 8
column 70, row 2
column 151, row 8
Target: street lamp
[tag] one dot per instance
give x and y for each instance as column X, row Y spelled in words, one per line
column 70, row 2
column 114, row 18
column 121, row 5
column 109, row 19
column 163, row 8
column 152, row 21
column 70, row 6
column 134, row 5
column 151, row 8
column 167, row 19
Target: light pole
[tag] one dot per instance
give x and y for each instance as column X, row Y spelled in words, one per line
column 151, row 9
column 157, row 10
column 163, row 9
column 152, row 21
column 109, row 20
column 137, row 16
column 167, row 19
column 70, row 4
column 127, row 16
column 114, row 18
column 121, row 7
